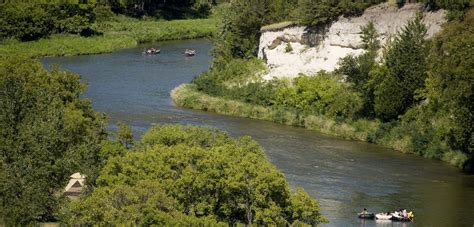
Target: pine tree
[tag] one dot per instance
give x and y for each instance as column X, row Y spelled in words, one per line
column 406, row 60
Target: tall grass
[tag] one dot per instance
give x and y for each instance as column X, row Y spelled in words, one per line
column 119, row 33
column 62, row 45
column 389, row 135
column 147, row 31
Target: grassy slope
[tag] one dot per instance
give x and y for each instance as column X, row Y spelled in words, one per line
column 362, row 130
column 120, row 33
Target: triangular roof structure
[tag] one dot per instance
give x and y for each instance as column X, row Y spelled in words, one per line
column 75, row 185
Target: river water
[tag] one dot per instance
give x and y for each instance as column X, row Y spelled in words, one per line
column 345, row 176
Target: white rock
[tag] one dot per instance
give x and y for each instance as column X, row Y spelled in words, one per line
column 324, row 49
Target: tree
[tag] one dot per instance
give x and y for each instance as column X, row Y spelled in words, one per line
column 305, row 209
column 201, row 174
column 240, row 27
column 406, row 61
column 34, row 21
column 46, row 133
column 357, row 68
column 448, row 94
column 125, row 135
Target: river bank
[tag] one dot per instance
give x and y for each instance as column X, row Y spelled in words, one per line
column 187, row 96
column 122, row 32
column 135, row 89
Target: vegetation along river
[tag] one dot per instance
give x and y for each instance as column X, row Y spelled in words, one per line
column 345, row 176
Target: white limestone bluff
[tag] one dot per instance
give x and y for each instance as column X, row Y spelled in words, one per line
column 288, row 49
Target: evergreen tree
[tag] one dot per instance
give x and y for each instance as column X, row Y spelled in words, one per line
column 406, row 61
column 450, row 85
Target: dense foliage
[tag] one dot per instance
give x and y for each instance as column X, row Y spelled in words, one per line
column 406, row 64
column 321, row 12
column 34, row 21
column 166, row 9
column 184, row 174
column 241, row 21
column 446, row 115
column 322, row 94
column 47, row 133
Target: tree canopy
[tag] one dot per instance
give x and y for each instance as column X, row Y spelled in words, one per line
column 178, row 174
column 47, row 132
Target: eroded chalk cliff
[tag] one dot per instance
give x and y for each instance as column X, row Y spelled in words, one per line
column 291, row 49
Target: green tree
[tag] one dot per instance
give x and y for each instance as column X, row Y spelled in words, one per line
column 34, row 21
column 357, row 68
column 46, row 133
column 240, row 27
column 305, row 209
column 125, row 135
column 447, row 110
column 201, row 174
column 406, row 61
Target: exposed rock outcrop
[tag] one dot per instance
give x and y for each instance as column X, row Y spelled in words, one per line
column 315, row 49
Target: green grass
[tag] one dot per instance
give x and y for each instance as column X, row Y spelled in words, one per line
column 394, row 137
column 117, row 34
column 147, row 31
column 63, row 45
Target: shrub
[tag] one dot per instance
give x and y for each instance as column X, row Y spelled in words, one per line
column 34, row 21
column 288, row 48
column 320, row 94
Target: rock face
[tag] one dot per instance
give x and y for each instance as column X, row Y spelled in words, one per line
column 291, row 50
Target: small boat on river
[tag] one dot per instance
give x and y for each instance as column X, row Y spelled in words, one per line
column 366, row 215
column 384, row 216
column 189, row 52
column 151, row 51
column 396, row 217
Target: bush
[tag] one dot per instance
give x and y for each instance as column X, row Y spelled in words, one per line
column 320, row 94
column 103, row 13
column 288, row 48
column 24, row 23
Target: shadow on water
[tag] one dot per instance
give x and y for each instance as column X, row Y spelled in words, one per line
column 344, row 176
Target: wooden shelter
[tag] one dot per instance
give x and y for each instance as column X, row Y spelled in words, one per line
column 75, row 186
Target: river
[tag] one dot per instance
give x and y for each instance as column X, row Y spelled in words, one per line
column 345, row 176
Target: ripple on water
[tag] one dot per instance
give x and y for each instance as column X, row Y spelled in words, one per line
column 344, row 176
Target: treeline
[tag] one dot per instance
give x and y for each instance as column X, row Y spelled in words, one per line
column 34, row 21
column 416, row 98
column 27, row 21
column 166, row 9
